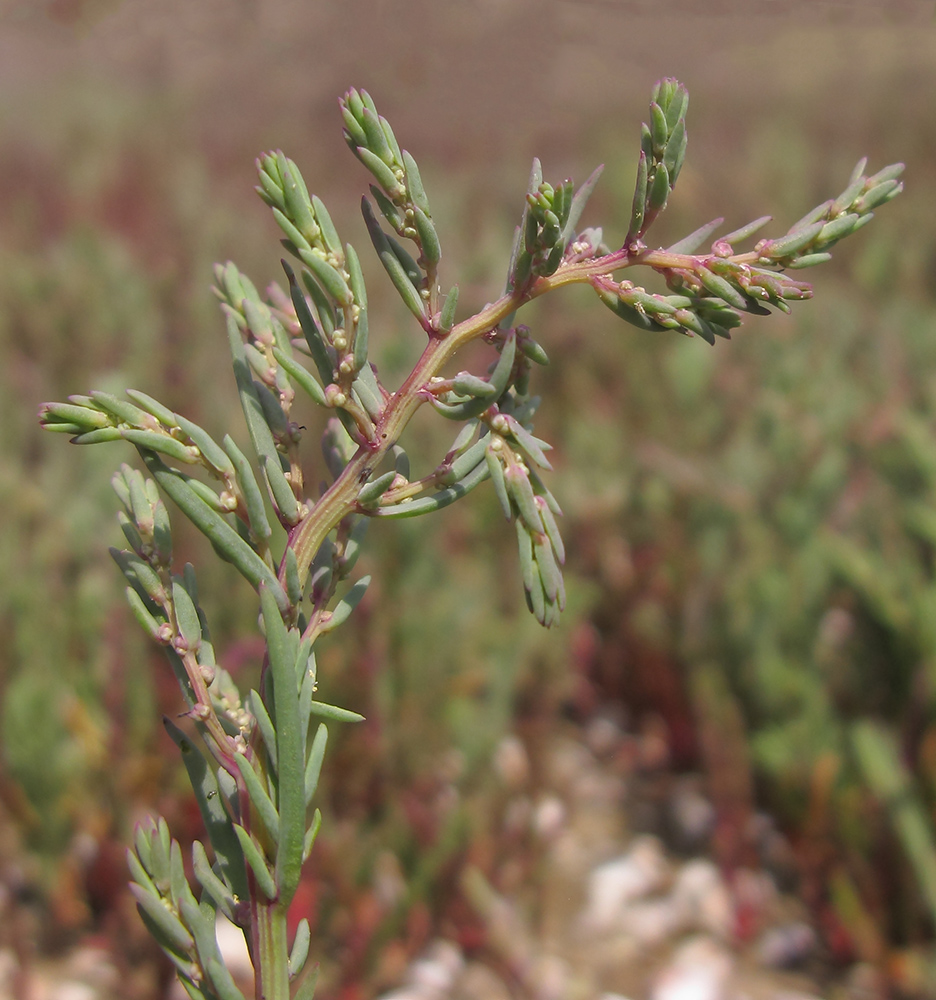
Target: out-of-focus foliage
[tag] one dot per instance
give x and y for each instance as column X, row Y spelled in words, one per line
column 778, row 501
column 763, row 510
column 99, row 261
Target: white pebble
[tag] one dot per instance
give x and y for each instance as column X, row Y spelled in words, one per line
column 602, row 736
column 388, row 881
column 93, row 966
column 703, row 896
column 786, row 946
column 434, row 975
column 616, row 883
column 9, row 966
column 651, row 921
column 72, row 991
column 699, row 970
column 551, row 976
column 693, row 814
column 512, row 762
column 549, row 817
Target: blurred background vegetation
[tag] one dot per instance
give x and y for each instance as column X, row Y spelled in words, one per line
column 752, row 528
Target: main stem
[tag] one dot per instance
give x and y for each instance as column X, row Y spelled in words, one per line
column 272, row 951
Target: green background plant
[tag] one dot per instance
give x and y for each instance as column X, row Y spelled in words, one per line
column 124, row 232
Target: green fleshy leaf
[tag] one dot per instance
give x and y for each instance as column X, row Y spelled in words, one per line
column 371, row 492
column 222, row 980
column 250, row 490
column 228, row 855
column 639, row 204
column 302, row 376
column 221, row 894
column 314, row 335
column 140, row 575
column 300, row 948
column 169, row 931
column 659, row 191
column 186, row 616
column 306, row 987
column 264, row 724
column 521, row 492
column 414, row 183
column 224, row 539
column 390, row 258
column 120, row 409
column 388, row 210
column 283, row 497
column 426, row 505
column 144, row 615
column 329, row 232
column 447, row 315
column 659, row 128
column 314, row 764
column 793, row 242
column 496, row 471
column 383, row 174
column 152, row 406
column 809, row 260
column 675, row 154
column 261, row 436
column 290, row 767
column 309, row 841
column 719, row 286
column 347, row 604
column 428, row 237
column 334, row 713
column 329, row 277
column 258, row 796
column 745, row 232
column 376, row 137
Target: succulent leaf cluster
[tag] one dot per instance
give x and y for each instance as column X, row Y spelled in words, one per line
column 662, row 153
column 547, row 228
column 711, row 290
column 256, row 778
column 402, row 201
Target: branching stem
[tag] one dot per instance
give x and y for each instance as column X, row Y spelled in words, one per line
column 339, row 500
